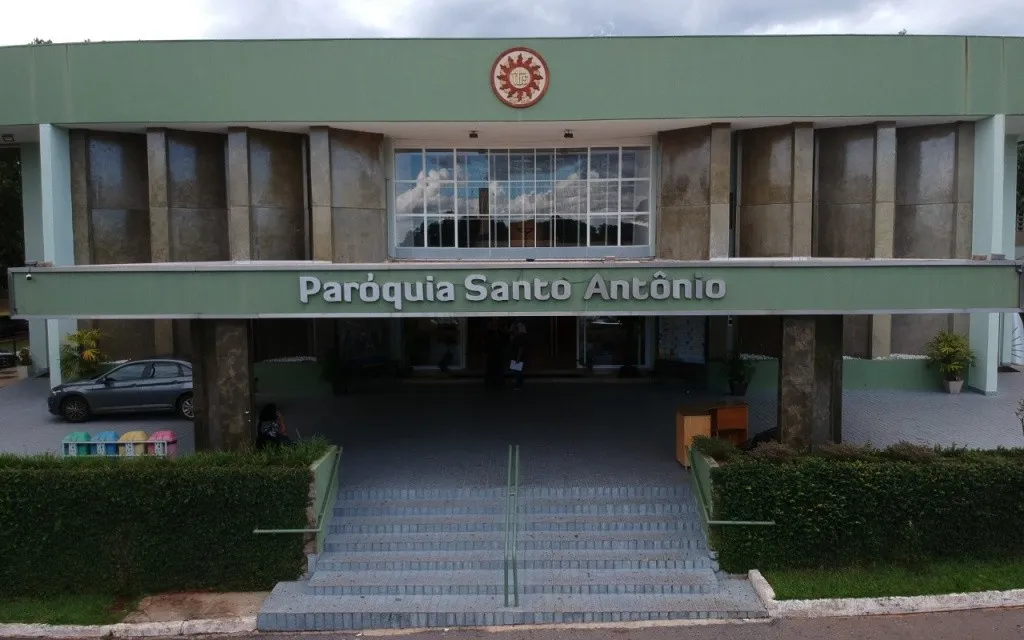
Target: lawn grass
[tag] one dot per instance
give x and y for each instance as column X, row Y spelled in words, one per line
column 934, row 578
column 88, row 609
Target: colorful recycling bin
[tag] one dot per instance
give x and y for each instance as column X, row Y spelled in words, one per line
column 71, row 446
column 101, row 449
column 126, row 444
column 163, row 444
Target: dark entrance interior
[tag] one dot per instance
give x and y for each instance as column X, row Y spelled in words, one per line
column 551, row 342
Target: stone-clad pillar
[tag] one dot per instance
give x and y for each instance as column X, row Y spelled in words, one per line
column 854, row 202
column 239, row 243
column 359, row 209
column 223, row 384
column 693, row 211
column 933, row 215
column 110, row 205
column 159, row 227
column 811, row 381
column 774, row 211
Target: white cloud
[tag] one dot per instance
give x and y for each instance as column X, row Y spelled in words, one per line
column 77, row 20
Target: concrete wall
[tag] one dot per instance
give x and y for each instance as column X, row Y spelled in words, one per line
column 934, row 214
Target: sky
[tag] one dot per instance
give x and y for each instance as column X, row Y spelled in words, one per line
column 98, row 20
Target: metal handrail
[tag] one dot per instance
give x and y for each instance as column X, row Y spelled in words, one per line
column 706, row 513
column 512, row 527
column 332, row 484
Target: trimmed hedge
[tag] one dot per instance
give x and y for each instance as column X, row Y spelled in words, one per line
column 145, row 525
column 849, row 508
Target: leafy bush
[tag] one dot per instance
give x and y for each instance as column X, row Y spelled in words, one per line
column 717, row 450
column 772, row 451
column 910, row 452
column 132, row 526
column 887, row 509
column 845, row 451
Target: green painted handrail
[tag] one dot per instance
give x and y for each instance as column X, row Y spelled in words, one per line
column 512, row 527
column 706, row 515
column 333, row 479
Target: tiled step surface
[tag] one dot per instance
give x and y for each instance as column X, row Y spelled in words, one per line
column 400, row 558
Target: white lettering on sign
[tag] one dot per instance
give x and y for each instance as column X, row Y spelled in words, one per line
column 478, row 288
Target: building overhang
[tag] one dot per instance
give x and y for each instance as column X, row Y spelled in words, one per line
column 799, row 286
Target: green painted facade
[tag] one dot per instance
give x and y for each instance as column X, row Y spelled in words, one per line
column 743, row 288
column 427, row 80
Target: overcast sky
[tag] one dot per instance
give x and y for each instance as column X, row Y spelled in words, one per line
column 76, row 20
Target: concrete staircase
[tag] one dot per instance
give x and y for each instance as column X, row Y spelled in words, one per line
column 435, row 558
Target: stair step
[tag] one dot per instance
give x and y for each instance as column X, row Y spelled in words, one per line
column 528, row 559
column 539, row 522
column 531, row 582
column 290, row 609
column 573, row 493
column 527, row 507
column 528, row 540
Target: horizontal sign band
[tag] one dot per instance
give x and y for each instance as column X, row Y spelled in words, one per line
column 306, row 290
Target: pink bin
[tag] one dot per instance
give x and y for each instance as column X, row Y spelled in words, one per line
column 164, row 444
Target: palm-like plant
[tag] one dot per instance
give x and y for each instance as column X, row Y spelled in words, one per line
column 80, row 355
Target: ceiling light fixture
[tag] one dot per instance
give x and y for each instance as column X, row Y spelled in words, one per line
column 474, row 134
column 568, row 134
column 7, row 138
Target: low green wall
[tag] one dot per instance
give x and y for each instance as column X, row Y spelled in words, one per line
column 290, row 379
column 325, row 493
column 857, row 374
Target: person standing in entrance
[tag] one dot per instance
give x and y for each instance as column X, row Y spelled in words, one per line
column 518, row 338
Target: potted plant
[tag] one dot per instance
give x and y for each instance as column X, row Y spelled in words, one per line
column 739, row 372
column 24, row 361
column 951, row 353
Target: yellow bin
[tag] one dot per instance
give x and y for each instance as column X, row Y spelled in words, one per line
column 132, row 436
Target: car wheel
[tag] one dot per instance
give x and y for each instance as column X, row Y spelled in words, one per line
column 75, row 409
column 187, row 407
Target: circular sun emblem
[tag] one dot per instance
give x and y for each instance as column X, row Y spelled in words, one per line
column 519, row 77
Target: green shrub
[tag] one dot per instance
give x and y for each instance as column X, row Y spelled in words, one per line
column 839, row 513
column 845, row 451
column 132, row 526
column 717, row 450
column 772, row 451
column 910, row 452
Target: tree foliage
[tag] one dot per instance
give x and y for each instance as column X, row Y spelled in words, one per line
column 12, row 237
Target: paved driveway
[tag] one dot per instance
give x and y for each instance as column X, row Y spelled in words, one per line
column 26, row 426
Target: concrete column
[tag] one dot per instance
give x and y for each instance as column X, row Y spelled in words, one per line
column 987, row 239
column 32, row 220
column 222, row 379
column 1009, row 341
column 811, row 381
column 884, row 225
column 57, row 228
column 693, row 195
column 159, row 226
column 239, row 238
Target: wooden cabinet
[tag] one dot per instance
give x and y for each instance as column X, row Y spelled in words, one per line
column 729, row 422
column 688, row 427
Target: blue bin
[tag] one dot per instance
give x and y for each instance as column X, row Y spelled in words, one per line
column 105, row 449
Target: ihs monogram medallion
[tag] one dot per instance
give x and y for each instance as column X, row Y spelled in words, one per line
column 520, row 77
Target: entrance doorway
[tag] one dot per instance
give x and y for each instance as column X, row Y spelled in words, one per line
column 551, row 342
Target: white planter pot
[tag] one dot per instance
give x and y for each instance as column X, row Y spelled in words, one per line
column 22, row 372
column 953, row 386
